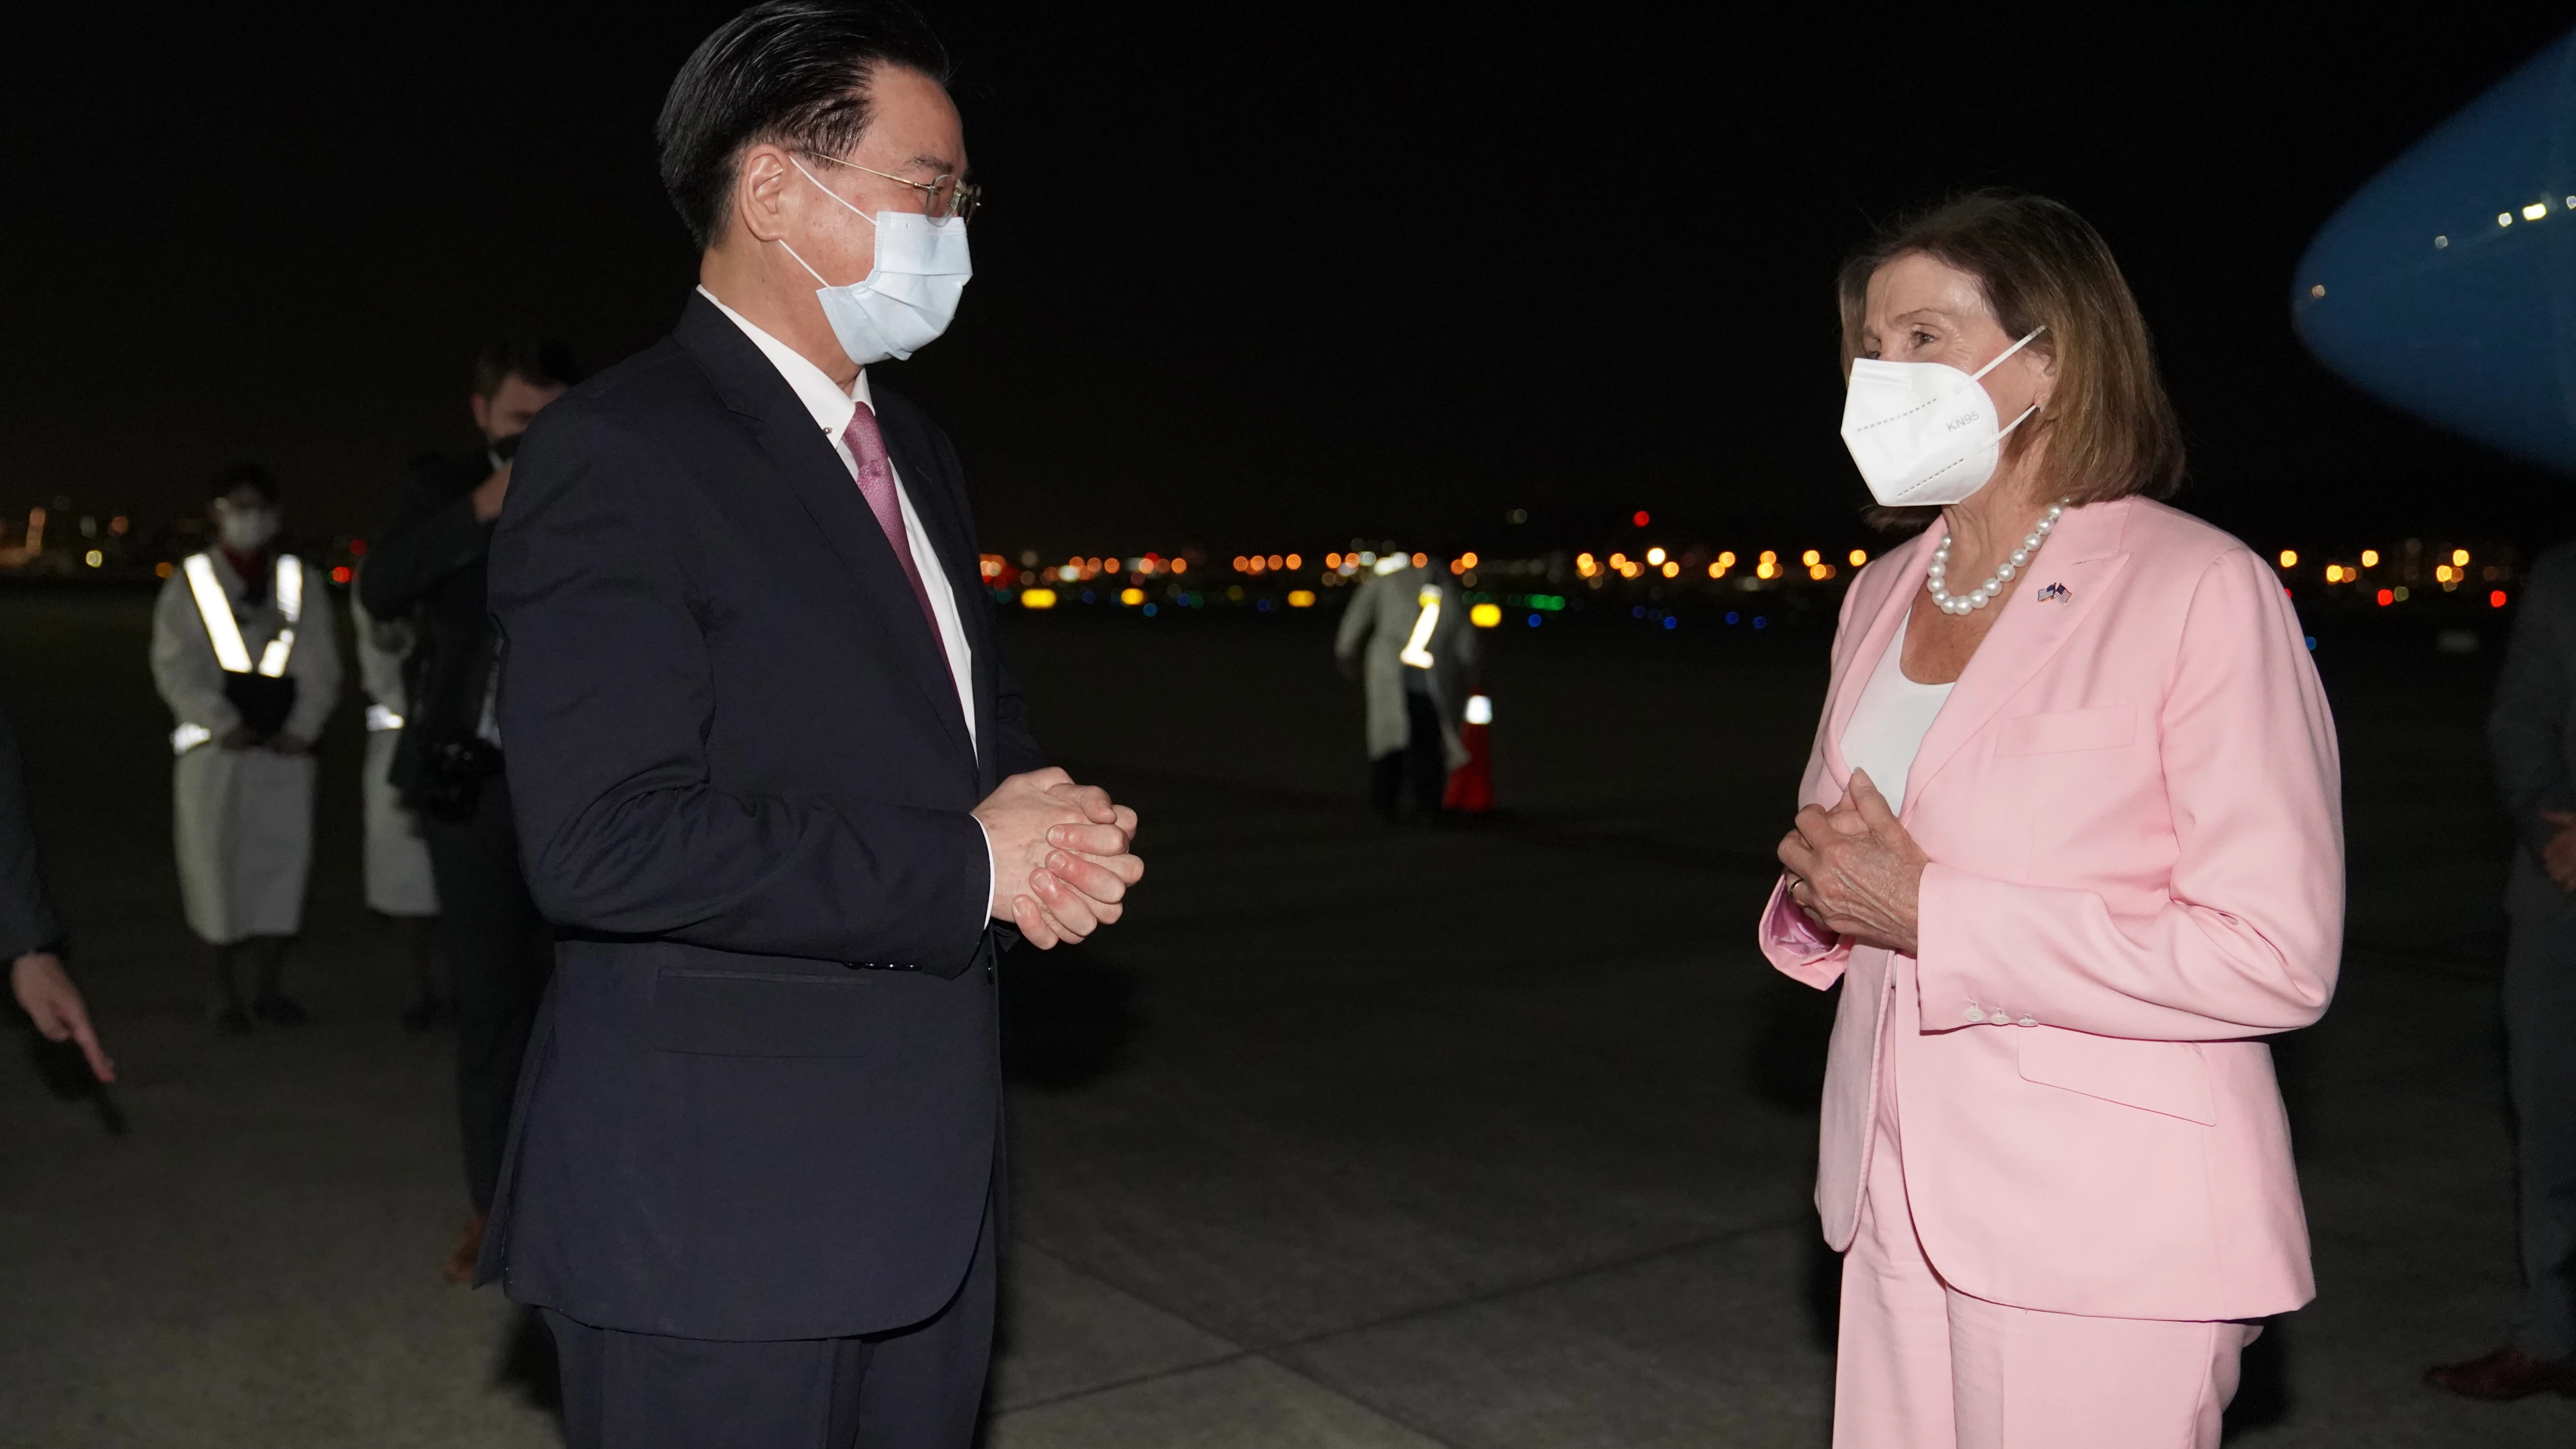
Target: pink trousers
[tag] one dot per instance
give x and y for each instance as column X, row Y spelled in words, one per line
column 1923, row 1366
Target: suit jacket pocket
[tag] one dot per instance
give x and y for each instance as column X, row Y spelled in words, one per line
column 2058, row 731
column 708, row 1012
column 2156, row 1076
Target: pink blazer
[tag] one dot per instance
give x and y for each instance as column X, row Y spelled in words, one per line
column 2131, row 804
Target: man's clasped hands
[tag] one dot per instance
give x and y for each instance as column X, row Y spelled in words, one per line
column 1063, row 855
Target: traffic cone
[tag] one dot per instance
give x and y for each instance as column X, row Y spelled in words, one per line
column 1471, row 786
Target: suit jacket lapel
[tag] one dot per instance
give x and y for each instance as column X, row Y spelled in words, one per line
column 821, row 483
column 2083, row 556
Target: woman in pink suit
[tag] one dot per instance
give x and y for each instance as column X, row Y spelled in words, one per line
column 2070, row 838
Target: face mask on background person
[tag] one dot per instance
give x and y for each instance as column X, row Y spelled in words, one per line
column 1924, row 433
column 246, row 530
column 909, row 297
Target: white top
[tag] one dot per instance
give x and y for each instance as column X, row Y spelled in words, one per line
column 832, row 410
column 1888, row 725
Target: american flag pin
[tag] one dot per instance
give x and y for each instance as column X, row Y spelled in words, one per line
column 2053, row 591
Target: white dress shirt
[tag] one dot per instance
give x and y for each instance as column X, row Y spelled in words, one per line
column 832, row 410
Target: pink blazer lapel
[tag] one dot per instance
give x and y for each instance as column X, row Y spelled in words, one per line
column 2072, row 572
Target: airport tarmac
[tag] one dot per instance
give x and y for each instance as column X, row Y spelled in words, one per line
column 1350, row 1136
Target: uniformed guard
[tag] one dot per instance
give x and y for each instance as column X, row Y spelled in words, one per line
column 1407, row 636
column 244, row 654
column 399, row 884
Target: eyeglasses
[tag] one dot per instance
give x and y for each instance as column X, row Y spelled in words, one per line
column 942, row 196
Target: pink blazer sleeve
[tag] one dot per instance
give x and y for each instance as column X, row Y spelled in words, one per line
column 2248, row 940
column 1791, row 939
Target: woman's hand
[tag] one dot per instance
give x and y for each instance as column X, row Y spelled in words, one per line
column 1855, row 871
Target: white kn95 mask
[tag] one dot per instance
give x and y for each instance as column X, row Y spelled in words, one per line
column 1924, row 433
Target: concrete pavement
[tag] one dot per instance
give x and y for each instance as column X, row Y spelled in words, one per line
column 1347, row 1136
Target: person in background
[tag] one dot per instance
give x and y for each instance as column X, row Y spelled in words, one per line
column 428, row 570
column 2532, row 734
column 399, row 884
column 244, row 653
column 31, row 935
column 1406, row 637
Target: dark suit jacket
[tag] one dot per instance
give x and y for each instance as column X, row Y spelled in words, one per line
column 429, row 567
column 2532, row 730
column 27, row 920
column 763, row 1100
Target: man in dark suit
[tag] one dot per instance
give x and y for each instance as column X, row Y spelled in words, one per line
column 2532, row 734
column 776, row 793
column 429, row 568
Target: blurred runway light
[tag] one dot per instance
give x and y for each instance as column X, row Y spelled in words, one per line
column 1131, row 597
column 1485, row 616
column 1480, row 710
column 1037, row 599
column 1301, row 598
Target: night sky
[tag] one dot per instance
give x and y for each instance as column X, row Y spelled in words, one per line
column 1248, row 276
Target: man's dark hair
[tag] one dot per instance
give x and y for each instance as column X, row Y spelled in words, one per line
column 244, row 475
column 538, row 361
column 792, row 73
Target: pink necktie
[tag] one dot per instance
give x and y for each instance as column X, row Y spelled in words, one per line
column 876, row 484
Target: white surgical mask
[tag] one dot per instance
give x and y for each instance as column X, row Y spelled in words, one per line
column 246, row 530
column 1924, row 433
column 909, row 297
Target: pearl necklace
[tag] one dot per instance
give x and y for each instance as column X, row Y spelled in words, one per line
column 1993, row 588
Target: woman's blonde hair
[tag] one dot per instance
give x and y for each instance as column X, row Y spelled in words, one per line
column 2109, row 429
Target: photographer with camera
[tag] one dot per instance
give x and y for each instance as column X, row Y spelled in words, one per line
column 429, row 569
column 244, row 654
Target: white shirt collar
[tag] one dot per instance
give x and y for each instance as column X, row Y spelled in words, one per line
column 821, row 396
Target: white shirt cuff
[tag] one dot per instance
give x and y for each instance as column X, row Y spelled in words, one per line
column 992, row 871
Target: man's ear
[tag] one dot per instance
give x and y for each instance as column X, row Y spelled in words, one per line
column 481, row 407
column 760, row 187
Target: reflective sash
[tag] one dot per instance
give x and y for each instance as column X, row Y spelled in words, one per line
column 290, row 603
column 224, row 631
column 381, row 719
column 1415, row 651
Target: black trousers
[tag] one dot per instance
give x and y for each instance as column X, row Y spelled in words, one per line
column 1423, row 763
column 915, row 1388
column 498, row 958
column 2540, row 1055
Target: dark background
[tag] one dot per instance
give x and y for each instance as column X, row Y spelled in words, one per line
column 1250, row 276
